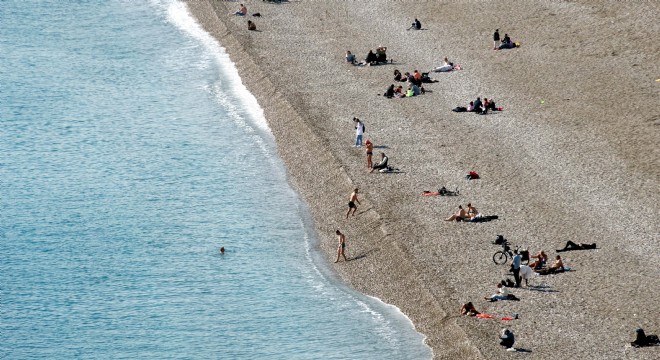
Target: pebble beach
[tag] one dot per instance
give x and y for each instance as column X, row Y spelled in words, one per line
column 573, row 156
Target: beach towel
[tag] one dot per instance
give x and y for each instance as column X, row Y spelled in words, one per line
column 485, row 316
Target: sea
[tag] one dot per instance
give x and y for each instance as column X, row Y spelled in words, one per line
column 130, row 152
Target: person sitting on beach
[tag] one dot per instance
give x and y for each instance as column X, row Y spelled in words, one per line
column 469, row 310
column 407, row 77
column 507, row 43
column 459, row 215
column 573, row 246
column 350, row 58
column 472, row 211
column 502, row 294
column 642, row 340
column 478, row 105
column 541, row 259
column 557, row 267
column 382, row 164
column 397, row 75
column 507, row 339
column 389, row 93
column 381, row 54
column 470, row 107
column 416, row 25
column 398, row 92
column 426, row 79
column 371, row 58
column 410, row 92
column 489, row 105
column 251, row 26
column 417, row 76
column 242, row 10
column 416, row 90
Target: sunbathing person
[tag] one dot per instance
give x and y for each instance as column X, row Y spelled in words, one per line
column 557, row 267
column 541, row 259
column 573, row 246
column 459, row 215
column 469, row 310
column 382, row 164
column 502, row 294
column 446, row 66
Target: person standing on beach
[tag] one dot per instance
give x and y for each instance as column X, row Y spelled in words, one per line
column 359, row 131
column 351, row 202
column 515, row 267
column 342, row 245
column 370, row 152
column 496, row 39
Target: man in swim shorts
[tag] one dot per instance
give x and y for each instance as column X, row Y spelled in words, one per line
column 351, row 202
column 342, row 245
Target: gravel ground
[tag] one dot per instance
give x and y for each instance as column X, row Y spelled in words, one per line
column 573, row 156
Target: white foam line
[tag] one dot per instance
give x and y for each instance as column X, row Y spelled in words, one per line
column 179, row 15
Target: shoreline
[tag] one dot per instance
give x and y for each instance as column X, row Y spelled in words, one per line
column 407, row 256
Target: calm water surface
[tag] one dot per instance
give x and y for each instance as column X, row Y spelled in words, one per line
column 129, row 153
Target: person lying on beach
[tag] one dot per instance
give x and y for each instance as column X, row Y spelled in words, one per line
column 416, row 25
column 251, row 26
column 469, row 310
column 573, row 246
column 541, row 260
column 350, row 58
column 502, row 294
column 557, row 267
column 382, row 164
column 459, row 215
column 242, row 10
column 447, row 66
column 642, row 340
column 507, row 339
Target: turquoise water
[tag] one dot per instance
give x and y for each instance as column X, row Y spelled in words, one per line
column 129, row 153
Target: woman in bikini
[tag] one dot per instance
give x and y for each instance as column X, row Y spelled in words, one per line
column 370, row 152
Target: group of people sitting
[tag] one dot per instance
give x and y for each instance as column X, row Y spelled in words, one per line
column 540, row 264
column 462, row 215
column 482, row 107
column 398, row 92
column 377, row 58
column 416, row 77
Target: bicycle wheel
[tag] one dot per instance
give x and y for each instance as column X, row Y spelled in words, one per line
column 499, row 257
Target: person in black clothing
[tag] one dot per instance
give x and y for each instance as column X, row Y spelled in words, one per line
column 416, row 25
column 382, row 164
column 645, row 340
column 496, row 39
column 389, row 93
column 478, row 106
column 506, row 42
column 371, row 58
column 507, row 338
column 573, row 246
column 397, row 75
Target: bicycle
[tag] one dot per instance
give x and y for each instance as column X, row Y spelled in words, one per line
column 502, row 256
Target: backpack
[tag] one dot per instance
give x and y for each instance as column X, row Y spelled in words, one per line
column 472, row 175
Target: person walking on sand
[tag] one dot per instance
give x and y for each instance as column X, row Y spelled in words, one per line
column 342, row 245
column 359, row 131
column 496, row 39
column 351, row 202
column 370, row 152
